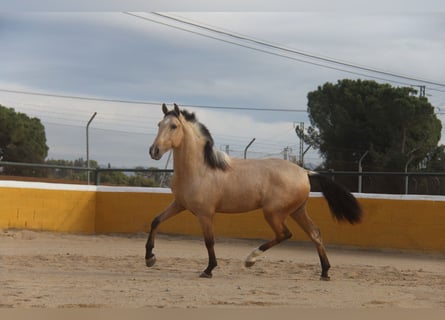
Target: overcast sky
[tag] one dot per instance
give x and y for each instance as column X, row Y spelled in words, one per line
column 116, row 56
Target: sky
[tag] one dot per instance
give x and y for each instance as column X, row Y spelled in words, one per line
column 51, row 63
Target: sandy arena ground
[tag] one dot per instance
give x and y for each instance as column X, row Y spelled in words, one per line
column 43, row 269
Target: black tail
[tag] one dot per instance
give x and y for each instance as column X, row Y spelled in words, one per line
column 343, row 204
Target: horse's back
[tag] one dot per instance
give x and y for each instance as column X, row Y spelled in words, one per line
column 272, row 184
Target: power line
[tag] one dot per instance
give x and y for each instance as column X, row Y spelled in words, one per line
column 148, row 102
column 98, row 128
column 275, row 53
column 298, row 52
column 53, row 95
column 57, row 118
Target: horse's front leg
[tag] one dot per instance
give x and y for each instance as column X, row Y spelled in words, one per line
column 173, row 209
column 206, row 223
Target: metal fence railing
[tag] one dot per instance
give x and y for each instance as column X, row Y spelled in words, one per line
column 97, row 172
column 415, row 182
column 370, row 182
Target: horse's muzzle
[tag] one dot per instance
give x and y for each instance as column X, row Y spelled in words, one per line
column 155, row 152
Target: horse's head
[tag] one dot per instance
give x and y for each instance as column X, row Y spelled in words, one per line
column 170, row 133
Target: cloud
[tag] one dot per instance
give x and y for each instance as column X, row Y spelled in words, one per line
column 113, row 55
column 222, row 5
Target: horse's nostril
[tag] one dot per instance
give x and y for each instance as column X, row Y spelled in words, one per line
column 154, row 151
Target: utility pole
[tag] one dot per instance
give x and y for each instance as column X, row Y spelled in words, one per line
column 88, row 147
column 421, row 91
column 301, row 127
column 285, row 153
column 299, row 130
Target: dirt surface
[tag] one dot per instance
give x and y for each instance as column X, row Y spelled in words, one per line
column 43, row 269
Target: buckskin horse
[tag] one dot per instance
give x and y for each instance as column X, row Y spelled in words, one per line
column 206, row 181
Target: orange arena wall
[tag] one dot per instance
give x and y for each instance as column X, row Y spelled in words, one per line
column 391, row 221
column 46, row 206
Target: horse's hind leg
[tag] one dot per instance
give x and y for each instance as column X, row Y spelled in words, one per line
column 306, row 223
column 282, row 233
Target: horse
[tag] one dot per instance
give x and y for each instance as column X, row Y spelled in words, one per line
column 206, row 181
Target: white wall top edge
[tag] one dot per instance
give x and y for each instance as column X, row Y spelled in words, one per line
column 389, row 196
column 45, row 185
column 132, row 189
column 78, row 187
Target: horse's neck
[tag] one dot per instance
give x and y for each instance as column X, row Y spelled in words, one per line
column 188, row 159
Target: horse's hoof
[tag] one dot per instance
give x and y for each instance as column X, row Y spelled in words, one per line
column 248, row 264
column 205, row 275
column 149, row 262
column 325, row 278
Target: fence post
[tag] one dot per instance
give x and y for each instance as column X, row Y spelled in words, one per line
column 406, row 175
column 332, row 173
column 88, row 150
column 360, row 169
column 97, row 176
column 247, row 147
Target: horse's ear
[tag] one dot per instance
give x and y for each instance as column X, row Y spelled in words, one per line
column 164, row 108
column 177, row 111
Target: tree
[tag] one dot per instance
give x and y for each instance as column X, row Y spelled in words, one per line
column 355, row 116
column 114, row 178
column 69, row 174
column 311, row 138
column 435, row 160
column 22, row 139
column 150, row 179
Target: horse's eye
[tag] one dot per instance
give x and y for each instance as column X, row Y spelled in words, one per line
column 173, row 126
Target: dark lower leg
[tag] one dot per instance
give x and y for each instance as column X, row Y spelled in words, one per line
column 210, row 244
column 172, row 210
column 325, row 265
column 314, row 234
column 280, row 237
column 149, row 256
column 206, row 222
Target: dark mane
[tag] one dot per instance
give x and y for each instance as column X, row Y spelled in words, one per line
column 215, row 159
column 189, row 116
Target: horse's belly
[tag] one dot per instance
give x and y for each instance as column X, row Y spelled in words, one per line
column 230, row 209
column 238, row 205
